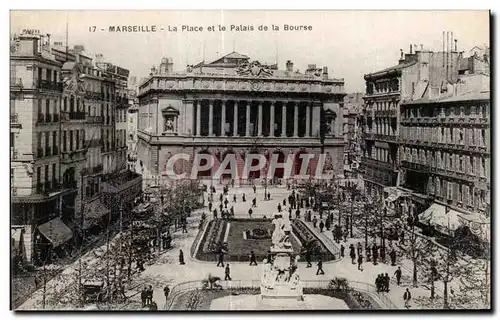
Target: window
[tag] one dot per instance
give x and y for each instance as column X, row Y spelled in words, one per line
column 47, row 139
column 65, row 104
column 54, row 138
column 449, row 189
column 54, row 172
column 64, row 141
column 70, row 140
column 483, row 137
column 12, row 140
column 55, row 76
column 465, row 194
column 38, row 175
column 46, row 176
column 77, row 139
column 47, row 109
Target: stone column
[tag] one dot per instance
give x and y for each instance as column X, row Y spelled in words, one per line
column 308, row 120
column 223, row 119
column 235, row 119
column 283, row 121
column 198, row 118
column 211, row 118
column 271, row 131
column 259, row 131
column 247, row 127
column 296, row 120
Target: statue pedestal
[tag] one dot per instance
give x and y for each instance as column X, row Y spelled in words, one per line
column 278, row 283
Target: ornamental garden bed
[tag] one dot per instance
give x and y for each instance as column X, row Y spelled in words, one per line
column 247, row 235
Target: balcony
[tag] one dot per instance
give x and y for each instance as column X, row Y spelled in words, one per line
column 73, row 156
column 77, row 115
column 49, row 85
column 416, row 166
column 94, row 119
column 446, row 146
column 379, row 164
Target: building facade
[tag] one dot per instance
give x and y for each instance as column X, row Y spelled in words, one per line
column 446, row 154
column 385, row 89
column 353, row 104
column 62, row 125
column 235, row 106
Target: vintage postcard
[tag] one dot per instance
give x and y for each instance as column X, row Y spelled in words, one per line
column 250, row 160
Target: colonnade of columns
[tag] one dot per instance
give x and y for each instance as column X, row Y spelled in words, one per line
column 232, row 125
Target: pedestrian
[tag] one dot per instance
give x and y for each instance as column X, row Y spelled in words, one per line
column 234, row 198
column 144, row 296
column 184, row 227
column 328, row 223
column 368, row 253
column 149, row 298
column 269, row 196
column 254, row 189
column 232, row 211
column 269, row 257
column 250, row 211
column 375, row 253
column 225, row 203
column 320, row 267
column 221, row 197
column 279, row 207
column 407, row 298
column 393, row 257
column 243, row 198
column 352, row 254
column 398, row 274
column 358, row 248
column 402, row 238
column 153, row 306
column 253, row 260
column 210, row 206
column 220, row 263
column 221, row 207
column 215, row 214
column 342, row 249
column 308, row 259
column 181, row 257
column 360, row 262
column 378, row 283
column 382, row 254
column 321, row 226
column 315, row 222
column 284, row 202
column 254, row 202
column 166, row 292
column 297, row 214
column 387, row 281
column 345, row 235
column 228, row 271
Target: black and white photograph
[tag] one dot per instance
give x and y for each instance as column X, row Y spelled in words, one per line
column 250, row 160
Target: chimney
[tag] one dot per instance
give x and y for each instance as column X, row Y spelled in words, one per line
column 170, row 65
column 421, row 47
column 163, row 66
column 456, row 48
column 325, row 73
column 411, row 48
column 289, row 66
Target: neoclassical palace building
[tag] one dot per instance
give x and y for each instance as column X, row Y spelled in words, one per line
column 237, row 106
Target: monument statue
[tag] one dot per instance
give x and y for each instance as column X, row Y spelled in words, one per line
column 279, row 277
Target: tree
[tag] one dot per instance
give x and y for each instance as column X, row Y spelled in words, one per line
column 474, row 284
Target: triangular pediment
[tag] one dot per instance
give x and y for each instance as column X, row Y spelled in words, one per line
column 170, row 110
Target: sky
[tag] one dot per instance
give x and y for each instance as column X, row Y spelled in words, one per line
column 349, row 43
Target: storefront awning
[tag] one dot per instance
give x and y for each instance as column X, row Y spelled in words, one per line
column 56, row 232
column 444, row 221
column 94, row 211
column 16, row 235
